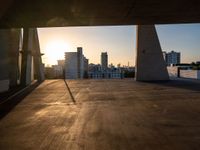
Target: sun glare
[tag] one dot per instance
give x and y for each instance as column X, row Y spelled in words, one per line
column 55, row 50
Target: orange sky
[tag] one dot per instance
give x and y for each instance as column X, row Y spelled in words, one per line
column 118, row 41
column 119, row 44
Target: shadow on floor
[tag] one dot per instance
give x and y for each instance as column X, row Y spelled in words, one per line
column 10, row 99
column 188, row 84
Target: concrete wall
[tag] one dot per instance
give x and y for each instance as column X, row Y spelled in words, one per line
column 192, row 74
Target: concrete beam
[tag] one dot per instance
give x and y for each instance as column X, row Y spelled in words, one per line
column 48, row 13
column 150, row 64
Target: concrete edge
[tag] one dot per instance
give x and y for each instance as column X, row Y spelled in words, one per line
column 8, row 104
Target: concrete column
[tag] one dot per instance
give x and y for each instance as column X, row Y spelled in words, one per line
column 9, row 53
column 26, row 60
column 150, row 64
column 13, row 53
column 4, row 75
column 38, row 66
column 31, row 55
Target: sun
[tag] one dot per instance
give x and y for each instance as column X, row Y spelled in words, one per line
column 55, row 50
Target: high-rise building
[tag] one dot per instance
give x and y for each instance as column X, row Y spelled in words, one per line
column 86, row 62
column 104, row 61
column 71, row 64
column 172, row 58
column 80, row 62
column 74, row 64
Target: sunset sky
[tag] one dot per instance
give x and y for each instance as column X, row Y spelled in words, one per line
column 118, row 41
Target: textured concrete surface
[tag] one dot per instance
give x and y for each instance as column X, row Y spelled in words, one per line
column 107, row 115
column 150, row 64
column 51, row 13
column 9, row 45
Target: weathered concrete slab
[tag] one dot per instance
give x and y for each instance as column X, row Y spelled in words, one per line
column 108, row 114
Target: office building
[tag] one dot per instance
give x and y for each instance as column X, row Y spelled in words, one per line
column 172, row 58
column 71, row 65
column 104, row 61
column 86, row 67
column 75, row 64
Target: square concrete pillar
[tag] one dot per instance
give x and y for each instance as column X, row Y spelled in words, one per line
column 13, row 53
column 150, row 64
column 31, row 55
column 26, row 60
column 37, row 56
column 9, row 54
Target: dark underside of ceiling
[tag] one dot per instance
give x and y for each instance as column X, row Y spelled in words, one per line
column 54, row 13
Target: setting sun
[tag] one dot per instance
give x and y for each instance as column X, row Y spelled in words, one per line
column 55, row 50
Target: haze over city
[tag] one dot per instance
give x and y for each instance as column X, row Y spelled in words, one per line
column 118, row 41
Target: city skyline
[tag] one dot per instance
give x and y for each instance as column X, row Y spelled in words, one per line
column 117, row 41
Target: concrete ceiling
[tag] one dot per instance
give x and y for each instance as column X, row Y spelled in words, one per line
column 52, row 13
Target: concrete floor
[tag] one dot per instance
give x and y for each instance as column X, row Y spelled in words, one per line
column 107, row 115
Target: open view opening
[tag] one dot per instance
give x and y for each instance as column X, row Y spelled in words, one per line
column 99, row 74
column 98, row 52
